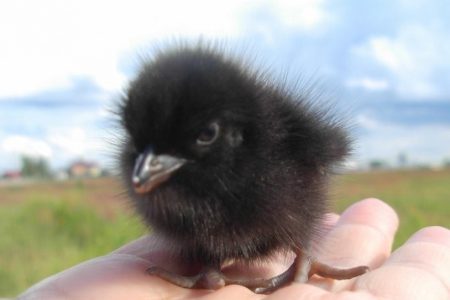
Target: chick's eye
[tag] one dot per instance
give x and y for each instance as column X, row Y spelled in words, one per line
column 208, row 135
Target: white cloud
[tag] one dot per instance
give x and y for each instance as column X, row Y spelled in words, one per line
column 22, row 145
column 368, row 122
column 72, row 141
column 60, row 146
column 414, row 58
column 45, row 43
column 303, row 15
column 372, row 84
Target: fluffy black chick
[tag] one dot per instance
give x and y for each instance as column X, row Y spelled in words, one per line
column 227, row 165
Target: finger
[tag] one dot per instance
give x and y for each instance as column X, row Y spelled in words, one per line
column 428, row 249
column 362, row 236
column 420, row 269
column 293, row 291
column 232, row 292
column 307, row 291
column 117, row 276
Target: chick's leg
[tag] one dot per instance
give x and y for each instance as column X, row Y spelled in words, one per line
column 327, row 271
column 300, row 271
column 212, row 279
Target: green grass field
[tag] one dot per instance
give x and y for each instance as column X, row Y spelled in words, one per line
column 48, row 227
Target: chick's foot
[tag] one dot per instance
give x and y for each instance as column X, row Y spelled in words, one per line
column 300, row 271
column 210, row 279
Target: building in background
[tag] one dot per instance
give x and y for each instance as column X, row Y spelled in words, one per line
column 83, row 169
column 12, row 175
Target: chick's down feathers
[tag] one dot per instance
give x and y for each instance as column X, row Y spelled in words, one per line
column 256, row 157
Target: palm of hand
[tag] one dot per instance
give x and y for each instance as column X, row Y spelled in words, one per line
column 363, row 235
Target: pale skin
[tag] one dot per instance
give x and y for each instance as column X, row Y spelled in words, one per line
column 362, row 235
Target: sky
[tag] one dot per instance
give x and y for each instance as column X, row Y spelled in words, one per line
column 384, row 64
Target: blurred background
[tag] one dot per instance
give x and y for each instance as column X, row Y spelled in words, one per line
column 385, row 65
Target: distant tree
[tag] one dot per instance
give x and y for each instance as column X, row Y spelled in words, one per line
column 446, row 163
column 402, row 160
column 35, row 167
column 377, row 164
column 423, row 166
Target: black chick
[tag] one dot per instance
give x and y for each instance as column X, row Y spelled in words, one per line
column 227, row 165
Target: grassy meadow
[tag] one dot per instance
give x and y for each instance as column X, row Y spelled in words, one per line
column 48, row 227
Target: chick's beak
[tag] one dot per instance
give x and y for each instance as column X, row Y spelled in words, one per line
column 151, row 170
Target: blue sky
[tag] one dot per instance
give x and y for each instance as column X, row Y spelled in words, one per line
column 385, row 63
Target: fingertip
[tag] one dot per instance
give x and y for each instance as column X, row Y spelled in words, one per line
column 433, row 234
column 373, row 212
column 423, row 263
column 363, row 235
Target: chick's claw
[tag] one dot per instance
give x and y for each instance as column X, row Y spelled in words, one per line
column 263, row 286
column 300, row 271
column 212, row 279
column 209, row 279
column 182, row 281
column 327, row 271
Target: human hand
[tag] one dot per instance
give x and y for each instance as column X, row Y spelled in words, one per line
column 420, row 269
